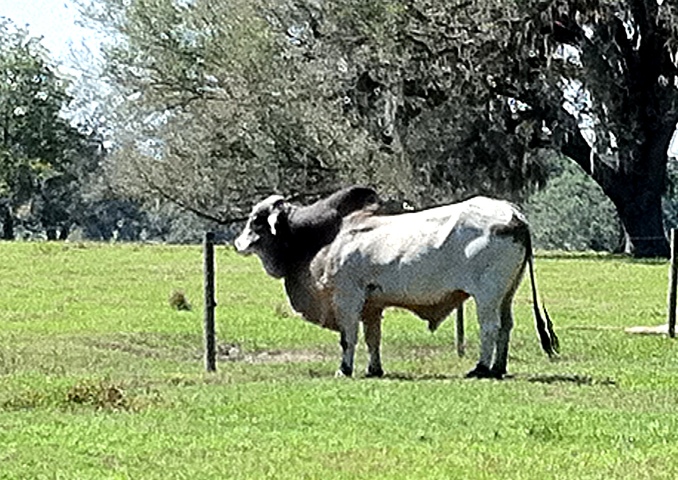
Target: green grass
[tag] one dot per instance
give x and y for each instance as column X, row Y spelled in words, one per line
column 101, row 378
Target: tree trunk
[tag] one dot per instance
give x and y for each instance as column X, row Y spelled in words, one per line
column 636, row 190
column 65, row 231
column 635, row 187
column 637, row 197
column 8, row 225
column 51, row 233
column 642, row 219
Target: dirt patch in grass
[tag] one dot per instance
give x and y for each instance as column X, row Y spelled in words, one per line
column 233, row 353
column 100, row 395
column 149, row 346
column 132, row 349
column 155, row 346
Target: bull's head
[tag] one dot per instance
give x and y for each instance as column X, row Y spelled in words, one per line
column 262, row 233
column 285, row 236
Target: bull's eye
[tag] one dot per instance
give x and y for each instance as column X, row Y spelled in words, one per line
column 260, row 221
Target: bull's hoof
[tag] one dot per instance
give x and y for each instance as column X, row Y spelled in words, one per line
column 374, row 373
column 343, row 372
column 481, row 371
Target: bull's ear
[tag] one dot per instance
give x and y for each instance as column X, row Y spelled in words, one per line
column 277, row 216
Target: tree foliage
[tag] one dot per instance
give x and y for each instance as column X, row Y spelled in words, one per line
column 418, row 81
column 572, row 213
column 217, row 107
column 616, row 63
column 43, row 158
column 223, row 101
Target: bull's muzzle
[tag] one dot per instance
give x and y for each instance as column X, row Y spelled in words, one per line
column 243, row 244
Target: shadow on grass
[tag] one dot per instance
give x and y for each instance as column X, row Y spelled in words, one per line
column 575, row 379
column 390, row 376
column 549, row 379
column 416, row 377
column 581, row 380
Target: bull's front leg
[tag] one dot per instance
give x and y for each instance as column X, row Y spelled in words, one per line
column 348, row 341
column 372, row 325
column 348, row 310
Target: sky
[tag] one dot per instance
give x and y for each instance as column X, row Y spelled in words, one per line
column 55, row 21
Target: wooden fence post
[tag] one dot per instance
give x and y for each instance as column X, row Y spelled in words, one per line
column 673, row 281
column 461, row 347
column 210, row 304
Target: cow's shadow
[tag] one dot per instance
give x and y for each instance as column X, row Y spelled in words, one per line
column 574, row 379
column 570, row 378
column 417, row 377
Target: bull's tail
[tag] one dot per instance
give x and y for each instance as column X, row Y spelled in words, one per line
column 548, row 338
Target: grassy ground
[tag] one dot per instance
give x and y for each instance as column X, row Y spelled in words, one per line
column 100, row 378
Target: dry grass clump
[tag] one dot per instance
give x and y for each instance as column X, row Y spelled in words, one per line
column 179, row 301
column 101, row 395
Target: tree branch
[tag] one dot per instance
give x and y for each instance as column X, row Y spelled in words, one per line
column 154, row 187
column 569, row 138
column 196, row 211
column 575, row 147
column 627, row 52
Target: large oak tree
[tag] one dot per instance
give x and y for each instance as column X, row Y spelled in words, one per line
column 484, row 85
column 223, row 101
column 621, row 59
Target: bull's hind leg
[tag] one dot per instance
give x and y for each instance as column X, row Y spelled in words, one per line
column 372, row 326
column 489, row 320
column 498, row 369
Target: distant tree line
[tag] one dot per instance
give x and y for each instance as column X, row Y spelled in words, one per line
column 44, row 160
column 215, row 104
column 53, row 175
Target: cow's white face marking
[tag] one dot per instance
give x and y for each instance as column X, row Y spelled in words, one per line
column 273, row 220
column 262, row 223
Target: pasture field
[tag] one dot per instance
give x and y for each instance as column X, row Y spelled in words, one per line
column 100, row 378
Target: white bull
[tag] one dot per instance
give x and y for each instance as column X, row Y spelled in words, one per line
column 428, row 262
